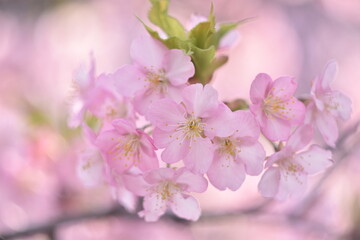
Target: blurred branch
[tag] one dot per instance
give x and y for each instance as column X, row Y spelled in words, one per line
column 119, row 211
column 309, row 201
column 296, row 216
column 51, row 226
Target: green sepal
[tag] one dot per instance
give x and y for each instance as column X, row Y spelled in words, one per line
column 159, row 16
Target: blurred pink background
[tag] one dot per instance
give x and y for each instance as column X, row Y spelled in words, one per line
column 42, row 42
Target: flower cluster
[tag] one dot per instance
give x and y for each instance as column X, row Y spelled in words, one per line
column 160, row 137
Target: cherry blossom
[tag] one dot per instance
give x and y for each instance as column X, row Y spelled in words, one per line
column 166, row 187
column 157, row 72
column 90, row 167
column 96, row 95
column 125, row 146
column 185, row 129
column 327, row 105
column 288, row 170
column 237, row 154
column 275, row 108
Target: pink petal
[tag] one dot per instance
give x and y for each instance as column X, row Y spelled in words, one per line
column 166, row 114
column 88, row 133
column 162, row 139
column 291, row 184
column 146, row 143
column 294, row 111
column 176, row 150
column 175, row 92
column 269, row 183
column 186, row 207
column 200, row 155
column 327, row 126
column 253, row 157
column 148, row 52
column 283, row 88
column 136, row 184
column 310, row 112
column 328, row 75
column 339, row 105
column 284, row 153
column 111, row 145
column 125, row 198
column 76, row 115
column 200, row 101
column 129, row 80
column 154, row 207
column 259, row 114
column 276, row 129
column 246, row 125
column 147, row 162
column 226, row 173
column 179, row 67
column 145, row 99
column 193, row 182
column 260, row 87
column 300, row 138
column 159, row 175
column 214, row 125
column 124, row 126
column 90, row 168
column 107, row 139
column 314, row 160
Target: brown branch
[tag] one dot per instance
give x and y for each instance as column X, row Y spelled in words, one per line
column 52, row 225
column 119, row 211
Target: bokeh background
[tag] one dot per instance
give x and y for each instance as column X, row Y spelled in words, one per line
column 43, row 41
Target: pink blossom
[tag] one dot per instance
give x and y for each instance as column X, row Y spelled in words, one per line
column 96, row 95
column 157, row 72
column 275, row 108
column 93, row 170
column 288, row 170
column 125, row 146
column 327, row 105
column 185, row 129
column 237, row 154
column 166, row 187
column 90, row 166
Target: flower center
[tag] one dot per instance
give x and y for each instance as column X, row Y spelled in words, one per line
column 157, row 80
column 167, row 190
column 273, row 105
column 192, row 128
column 228, row 147
column 331, row 102
column 127, row 149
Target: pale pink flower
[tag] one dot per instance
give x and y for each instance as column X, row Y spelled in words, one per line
column 125, row 146
column 185, row 129
column 275, row 108
column 90, row 166
column 166, row 187
column 157, row 72
column 288, row 170
column 96, row 94
column 93, row 170
column 237, row 154
column 327, row 105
